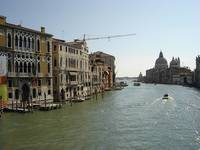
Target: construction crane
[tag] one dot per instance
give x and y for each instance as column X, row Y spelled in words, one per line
column 107, row 37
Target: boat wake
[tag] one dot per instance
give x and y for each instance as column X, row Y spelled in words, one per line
column 158, row 100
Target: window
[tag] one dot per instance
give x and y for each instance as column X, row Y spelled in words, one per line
column 48, row 46
column 38, row 45
column 29, row 67
column 49, row 82
column 16, row 40
column 55, row 80
column 60, row 47
column 49, row 92
column 25, row 42
column 39, row 82
column 55, row 63
column 9, row 66
column 66, row 62
column 49, row 68
column 33, row 43
column 29, row 43
column 34, row 93
column 10, row 95
column 9, row 83
column 73, row 77
column 25, row 67
column 21, row 67
column 33, row 68
column 60, row 61
column 16, row 94
column 16, row 67
column 54, row 47
column 38, row 67
column 20, row 41
column 9, row 40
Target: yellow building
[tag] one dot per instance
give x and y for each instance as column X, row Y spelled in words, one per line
column 29, row 58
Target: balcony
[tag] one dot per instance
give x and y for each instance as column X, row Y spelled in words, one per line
column 20, row 74
column 73, row 83
column 40, row 74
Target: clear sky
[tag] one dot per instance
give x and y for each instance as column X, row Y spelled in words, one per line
column 172, row 26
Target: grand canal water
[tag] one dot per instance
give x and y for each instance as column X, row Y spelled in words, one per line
column 134, row 118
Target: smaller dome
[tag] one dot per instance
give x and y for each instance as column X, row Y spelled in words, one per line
column 175, row 62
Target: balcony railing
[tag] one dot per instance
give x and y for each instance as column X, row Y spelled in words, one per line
column 20, row 74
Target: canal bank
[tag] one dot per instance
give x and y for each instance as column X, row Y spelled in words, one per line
column 133, row 118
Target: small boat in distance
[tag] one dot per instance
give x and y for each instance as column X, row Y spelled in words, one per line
column 123, row 84
column 136, row 84
column 166, row 96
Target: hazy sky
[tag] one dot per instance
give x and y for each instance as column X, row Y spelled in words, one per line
column 172, row 26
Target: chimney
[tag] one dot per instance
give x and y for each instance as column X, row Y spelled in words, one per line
column 2, row 20
column 43, row 29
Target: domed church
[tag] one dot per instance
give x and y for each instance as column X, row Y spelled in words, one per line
column 175, row 74
column 161, row 62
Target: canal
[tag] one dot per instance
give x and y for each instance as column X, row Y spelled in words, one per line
column 133, row 118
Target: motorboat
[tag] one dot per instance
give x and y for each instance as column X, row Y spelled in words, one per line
column 136, row 84
column 78, row 99
column 165, row 96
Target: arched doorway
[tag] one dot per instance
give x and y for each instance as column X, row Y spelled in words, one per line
column 25, row 92
column 62, row 95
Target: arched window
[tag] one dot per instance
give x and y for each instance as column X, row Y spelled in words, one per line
column 38, row 45
column 48, row 46
column 55, row 63
column 9, row 66
column 33, row 43
column 33, row 68
column 9, row 40
column 16, row 40
column 25, row 67
column 20, row 41
column 38, row 67
column 34, row 93
column 29, row 43
column 61, row 78
column 20, row 67
column 29, row 67
column 25, row 42
column 60, row 61
column 49, row 68
column 16, row 67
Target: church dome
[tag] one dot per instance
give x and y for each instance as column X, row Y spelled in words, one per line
column 161, row 62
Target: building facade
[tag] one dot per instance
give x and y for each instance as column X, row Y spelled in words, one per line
column 29, row 60
column 103, row 70
column 70, row 69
